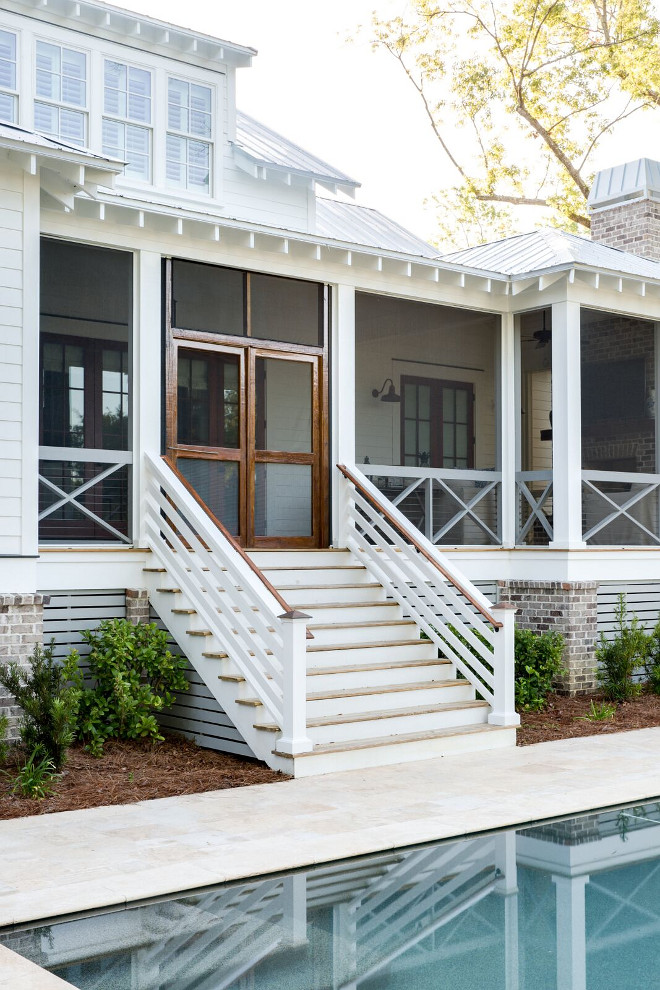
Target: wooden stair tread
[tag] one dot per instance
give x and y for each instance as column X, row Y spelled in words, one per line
column 198, row 632
column 381, row 644
column 460, row 730
column 319, row 587
column 386, row 604
column 169, row 591
column 313, row 567
column 359, row 692
column 216, row 656
column 154, row 570
column 390, row 713
column 183, row 611
column 361, row 624
column 354, row 668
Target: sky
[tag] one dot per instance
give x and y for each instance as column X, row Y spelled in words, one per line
column 343, row 102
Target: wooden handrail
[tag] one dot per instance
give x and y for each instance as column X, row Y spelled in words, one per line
column 411, row 538
column 232, row 540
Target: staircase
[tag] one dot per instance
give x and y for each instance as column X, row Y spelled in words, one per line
column 372, row 690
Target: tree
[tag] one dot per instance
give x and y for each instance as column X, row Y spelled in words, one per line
column 519, row 94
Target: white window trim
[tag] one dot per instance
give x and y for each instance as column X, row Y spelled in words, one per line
column 193, row 193
column 150, row 127
column 62, row 104
column 15, row 93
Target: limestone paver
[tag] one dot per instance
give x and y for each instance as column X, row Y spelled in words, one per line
column 15, row 972
column 79, row 860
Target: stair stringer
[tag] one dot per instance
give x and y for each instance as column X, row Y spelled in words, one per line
column 226, row 693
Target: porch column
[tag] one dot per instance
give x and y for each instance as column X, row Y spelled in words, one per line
column 571, row 935
column 507, row 431
column 566, row 427
column 342, row 384
column 147, row 348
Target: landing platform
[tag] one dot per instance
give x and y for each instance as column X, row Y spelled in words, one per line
column 79, row 860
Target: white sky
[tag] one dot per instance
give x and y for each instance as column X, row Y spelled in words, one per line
column 343, row 102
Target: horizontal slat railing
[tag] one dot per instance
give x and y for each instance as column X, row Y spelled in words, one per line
column 446, row 606
column 231, row 600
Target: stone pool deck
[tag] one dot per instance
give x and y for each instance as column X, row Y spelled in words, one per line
column 79, row 860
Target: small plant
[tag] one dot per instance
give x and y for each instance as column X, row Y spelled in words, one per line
column 134, row 676
column 48, row 691
column 37, row 778
column 619, row 657
column 538, row 659
column 598, row 713
column 4, row 747
column 652, row 660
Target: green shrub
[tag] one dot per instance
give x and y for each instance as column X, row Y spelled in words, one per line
column 4, row 747
column 652, row 660
column 537, row 662
column 134, row 675
column 620, row 657
column 48, row 691
column 37, row 778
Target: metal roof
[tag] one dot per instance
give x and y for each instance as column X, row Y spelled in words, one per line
column 362, row 225
column 540, row 250
column 36, row 142
column 622, row 183
column 267, row 148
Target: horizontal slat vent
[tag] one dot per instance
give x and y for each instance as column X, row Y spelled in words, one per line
column 69, row 612
column 642, row 600
column 197, row 715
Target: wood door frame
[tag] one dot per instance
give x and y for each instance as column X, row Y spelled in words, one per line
column 249, row 349
column 437, row 385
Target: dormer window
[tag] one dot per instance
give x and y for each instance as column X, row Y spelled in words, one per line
column 189, row 132
column 127, row 117
column 8, row 94
column 61, row 90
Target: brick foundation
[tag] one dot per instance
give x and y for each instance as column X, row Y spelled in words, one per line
column 567, row 608
column 137, row 606
column 21, row 628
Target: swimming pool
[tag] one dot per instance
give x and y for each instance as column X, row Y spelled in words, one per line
column 571, row 904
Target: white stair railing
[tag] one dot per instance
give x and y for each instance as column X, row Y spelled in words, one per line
column 261, row 635
column 477, row 636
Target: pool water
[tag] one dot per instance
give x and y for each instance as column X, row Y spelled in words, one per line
column 566, row 905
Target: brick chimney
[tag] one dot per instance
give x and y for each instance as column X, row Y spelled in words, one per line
column 624, row 203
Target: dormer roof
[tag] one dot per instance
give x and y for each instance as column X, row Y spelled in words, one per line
column 259, row 151
column 362, row 225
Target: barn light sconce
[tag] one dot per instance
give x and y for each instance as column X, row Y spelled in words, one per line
column 390, row 395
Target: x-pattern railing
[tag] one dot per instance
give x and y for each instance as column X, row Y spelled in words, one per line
column 113, row 460
column 528, row 484
column 427, row 481
column 636, row 488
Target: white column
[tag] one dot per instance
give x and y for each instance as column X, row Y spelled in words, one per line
column 147, row 348
column 294, row 738
column 342, row 384
column 566, row 427
column 571, row 935
column 504, row 706
column 30, row 370
column 295, row 907
column 507, row 886
column 508, row 402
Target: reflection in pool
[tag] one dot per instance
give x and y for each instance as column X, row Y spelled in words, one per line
column 569, row 905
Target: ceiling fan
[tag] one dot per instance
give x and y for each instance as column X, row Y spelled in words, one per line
column 542, row 336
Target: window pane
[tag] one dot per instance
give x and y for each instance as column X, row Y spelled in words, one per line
column 424, row 402
column 216, row 483
column 177, row 111
column 115, row 75
column 8, row 108
column 461, row 441
column 73, row 91
column 48, row 57
column 284, row 405
column 461, row 405
column 48, row 85
column 449, row 405
column 72, row 126
column 283, row 500
column 448, row 449
column 411, row 438
column 410, row 400
column 286, row 309
column 8, row 46
column 139, row 108
column 46, row 119
column 207, row 297
column 424, row 440
column 208, row 400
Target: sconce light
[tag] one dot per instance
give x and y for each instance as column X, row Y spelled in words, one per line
column 390, row 395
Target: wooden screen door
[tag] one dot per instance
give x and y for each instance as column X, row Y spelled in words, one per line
column 246, row 431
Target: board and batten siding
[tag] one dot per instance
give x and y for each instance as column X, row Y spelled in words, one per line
column 11, row 359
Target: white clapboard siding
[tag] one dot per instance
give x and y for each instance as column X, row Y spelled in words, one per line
column 197, row 715
column 642, row 600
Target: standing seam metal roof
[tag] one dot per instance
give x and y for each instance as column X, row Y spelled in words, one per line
column 362, row 225
column 527, row 253
column 267, row 147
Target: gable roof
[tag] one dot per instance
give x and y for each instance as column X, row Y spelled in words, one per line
column 11, row 136
column 258, row 146
column 540, row 250
column 362, row 225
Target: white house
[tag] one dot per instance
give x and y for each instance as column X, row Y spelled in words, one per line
column 285, row 424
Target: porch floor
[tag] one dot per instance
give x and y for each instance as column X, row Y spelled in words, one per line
column 107, row 856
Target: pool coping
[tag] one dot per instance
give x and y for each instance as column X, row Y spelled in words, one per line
column 77, row 861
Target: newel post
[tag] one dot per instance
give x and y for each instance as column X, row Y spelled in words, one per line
column 294, row 738
column 504, row 709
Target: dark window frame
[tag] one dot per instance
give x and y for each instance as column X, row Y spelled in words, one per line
column 437, row 387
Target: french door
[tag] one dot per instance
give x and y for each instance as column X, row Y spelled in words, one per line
column 245, row 429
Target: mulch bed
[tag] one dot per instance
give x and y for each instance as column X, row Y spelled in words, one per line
column 564, row 718
column 137, row 771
